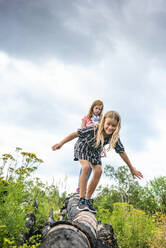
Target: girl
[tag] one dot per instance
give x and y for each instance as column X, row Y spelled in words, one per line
column 91, row 119
column 94, row 115
column 88, row 150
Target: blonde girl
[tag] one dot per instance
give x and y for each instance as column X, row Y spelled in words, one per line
column 87, row 150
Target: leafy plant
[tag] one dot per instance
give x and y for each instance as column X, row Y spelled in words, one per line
column 132, row 226
column 18, row 192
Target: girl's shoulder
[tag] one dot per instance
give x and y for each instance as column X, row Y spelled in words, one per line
column 85, row 118
column 88, row 122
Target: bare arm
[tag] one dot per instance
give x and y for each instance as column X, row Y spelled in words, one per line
column 127, row 161
column 65, row 140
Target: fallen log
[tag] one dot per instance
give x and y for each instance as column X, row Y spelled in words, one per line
column 65, row 235
column 77, row 229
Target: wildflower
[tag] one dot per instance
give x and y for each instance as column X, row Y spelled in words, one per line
column 29, row 154
column 3, row 181
column 7, row 155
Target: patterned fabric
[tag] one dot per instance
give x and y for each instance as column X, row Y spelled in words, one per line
column 85, row 147
column 95, row 119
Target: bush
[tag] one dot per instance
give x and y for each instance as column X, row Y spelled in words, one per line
column 18, row 192
column 160, row 233
column 133, row 227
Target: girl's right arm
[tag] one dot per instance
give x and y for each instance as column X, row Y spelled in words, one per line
column 134, row 172
column 65, row 140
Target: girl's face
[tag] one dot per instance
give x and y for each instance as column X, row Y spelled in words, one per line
column 110, row 125
column 97, row 109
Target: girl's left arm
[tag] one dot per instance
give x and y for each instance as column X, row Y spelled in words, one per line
column 127, row 161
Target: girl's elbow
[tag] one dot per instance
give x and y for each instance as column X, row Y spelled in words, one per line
column 75, row 135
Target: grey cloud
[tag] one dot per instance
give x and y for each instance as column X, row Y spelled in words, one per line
column 136, row 119
column 135, row 98
column 143, row 26
column 32, row 110
column 82, row 31
column 36, row 30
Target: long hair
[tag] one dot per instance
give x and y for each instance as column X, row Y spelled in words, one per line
column 95, row 103
column 100, row 132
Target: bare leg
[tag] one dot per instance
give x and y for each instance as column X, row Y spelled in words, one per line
column 84, row 177
column 88, row 175
column 97, row 171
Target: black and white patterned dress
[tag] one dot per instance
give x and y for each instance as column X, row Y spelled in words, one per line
column 85, row 147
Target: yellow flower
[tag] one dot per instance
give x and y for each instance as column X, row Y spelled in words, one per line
column 7, row 155
column 29, row 154
column 4, row 182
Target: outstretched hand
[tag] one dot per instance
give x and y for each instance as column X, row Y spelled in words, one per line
column 56, row 147
column 137, row 174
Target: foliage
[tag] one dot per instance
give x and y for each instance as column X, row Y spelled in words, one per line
column 18, row 192
column 150, row 198
column 128, row 188
column 160, row 233
column 158, row 187
column 106, row 197
column 118, row 204
column 133, row 227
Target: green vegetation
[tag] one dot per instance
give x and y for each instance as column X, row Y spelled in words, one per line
column 137, row 214
column 18, row 192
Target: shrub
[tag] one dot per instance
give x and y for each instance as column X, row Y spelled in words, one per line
column 18, row 192
column 133, row 227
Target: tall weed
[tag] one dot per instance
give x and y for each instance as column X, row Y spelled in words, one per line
column 18, row 192
column 133, row 227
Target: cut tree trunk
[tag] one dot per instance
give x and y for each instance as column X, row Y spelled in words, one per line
column 79, row 230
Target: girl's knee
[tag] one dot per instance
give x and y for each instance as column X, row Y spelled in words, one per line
column 86, row 168
column 98, row 170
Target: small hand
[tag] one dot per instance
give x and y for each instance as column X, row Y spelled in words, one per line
column 136, row 173
column 56, row 147
column 96, row 125
column 103, row 154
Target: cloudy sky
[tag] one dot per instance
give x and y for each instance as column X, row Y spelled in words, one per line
column 57, row 57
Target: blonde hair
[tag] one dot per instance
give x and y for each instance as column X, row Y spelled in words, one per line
column 100, row 132
column 95, row 103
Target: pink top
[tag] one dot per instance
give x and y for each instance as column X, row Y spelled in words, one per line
column 87, row 121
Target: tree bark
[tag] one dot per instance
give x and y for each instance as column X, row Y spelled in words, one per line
column 79, row 230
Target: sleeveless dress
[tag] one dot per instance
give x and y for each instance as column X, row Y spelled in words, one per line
column 85, row 147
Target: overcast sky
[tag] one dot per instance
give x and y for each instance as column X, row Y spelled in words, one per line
column 57, row 57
